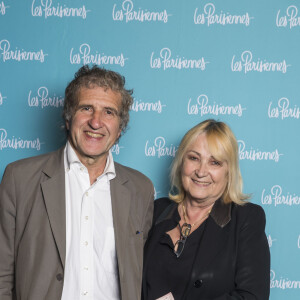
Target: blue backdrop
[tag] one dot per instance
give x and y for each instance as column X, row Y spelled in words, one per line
column 236, row 61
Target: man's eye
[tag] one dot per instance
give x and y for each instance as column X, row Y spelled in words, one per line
column 86, row 108
column 110, row 112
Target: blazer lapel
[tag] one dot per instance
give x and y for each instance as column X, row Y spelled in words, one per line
column 120, row 200
column 54, row 196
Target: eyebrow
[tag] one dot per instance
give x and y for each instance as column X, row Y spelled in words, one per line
column 113, row 109
column 105, row 107
column 194, row 152
column 200, row 154
column 83, row 105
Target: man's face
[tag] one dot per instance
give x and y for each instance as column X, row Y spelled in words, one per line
column 95, row 126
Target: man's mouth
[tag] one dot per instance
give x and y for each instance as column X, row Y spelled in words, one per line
column 94, row 135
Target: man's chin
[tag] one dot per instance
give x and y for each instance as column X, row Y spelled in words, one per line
column 95, row 155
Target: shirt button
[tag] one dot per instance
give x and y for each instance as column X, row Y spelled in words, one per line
column 86, row 268
column 86, row 193
column 86, row 243
column 81, row 168
column 84, row 293
column 198, row 283
column 86, row 217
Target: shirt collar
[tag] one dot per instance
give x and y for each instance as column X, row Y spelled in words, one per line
column 72, row 158
column 221, row 213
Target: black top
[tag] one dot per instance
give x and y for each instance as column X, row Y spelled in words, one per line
column 167, row 273
column 232, row 261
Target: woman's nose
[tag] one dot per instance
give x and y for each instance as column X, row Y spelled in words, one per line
column 201, row 171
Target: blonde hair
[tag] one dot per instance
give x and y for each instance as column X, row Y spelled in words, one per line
column 223, row 146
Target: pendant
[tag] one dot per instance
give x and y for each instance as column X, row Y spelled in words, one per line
column 186, row 230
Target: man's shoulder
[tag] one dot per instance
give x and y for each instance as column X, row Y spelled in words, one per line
column 132, row 174
column 25, row 165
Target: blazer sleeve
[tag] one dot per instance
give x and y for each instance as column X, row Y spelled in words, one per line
column 252, row 279
column 7, row 234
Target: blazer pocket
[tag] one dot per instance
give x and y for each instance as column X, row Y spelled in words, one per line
column 136, row 247
column 137, row 238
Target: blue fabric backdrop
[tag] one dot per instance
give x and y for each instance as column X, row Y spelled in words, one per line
column 236, row 61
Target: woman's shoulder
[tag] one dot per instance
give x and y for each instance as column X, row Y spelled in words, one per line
column 250, row 212
column 160, row 205
column 249, row 207
column 164, row 201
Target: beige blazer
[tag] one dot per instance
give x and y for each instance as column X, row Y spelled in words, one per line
column 33, row 228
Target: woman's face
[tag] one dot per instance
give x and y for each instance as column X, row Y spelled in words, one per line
column 204, row 178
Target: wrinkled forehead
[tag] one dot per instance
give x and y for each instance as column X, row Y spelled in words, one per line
column 100, row 90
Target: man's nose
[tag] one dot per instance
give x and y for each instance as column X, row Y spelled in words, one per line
column 96, row 120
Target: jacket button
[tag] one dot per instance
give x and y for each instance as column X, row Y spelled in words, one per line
column 198, row 283
column 59, row 277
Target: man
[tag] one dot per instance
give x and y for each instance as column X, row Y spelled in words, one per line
column 73, row 223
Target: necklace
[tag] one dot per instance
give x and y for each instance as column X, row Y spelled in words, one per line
column 198, row 221
column 185, row 231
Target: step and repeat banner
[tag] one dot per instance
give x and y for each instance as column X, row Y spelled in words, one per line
column 236, row 61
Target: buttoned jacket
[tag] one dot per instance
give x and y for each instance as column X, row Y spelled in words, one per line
column 33, row 228
column 233, row 258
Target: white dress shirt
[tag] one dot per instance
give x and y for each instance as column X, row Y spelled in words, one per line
column 91, row 271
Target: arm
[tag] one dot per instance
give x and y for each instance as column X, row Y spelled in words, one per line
column 7, row 234
column 252, row 278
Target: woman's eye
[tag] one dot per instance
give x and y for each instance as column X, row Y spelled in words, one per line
column 191, row 157
column 216, row 163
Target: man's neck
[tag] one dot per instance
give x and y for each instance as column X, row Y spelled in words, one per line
column 95, row 167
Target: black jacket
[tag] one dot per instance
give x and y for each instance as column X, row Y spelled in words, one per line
column 233, row 260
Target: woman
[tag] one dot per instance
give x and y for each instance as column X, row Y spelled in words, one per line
column 207, row 242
